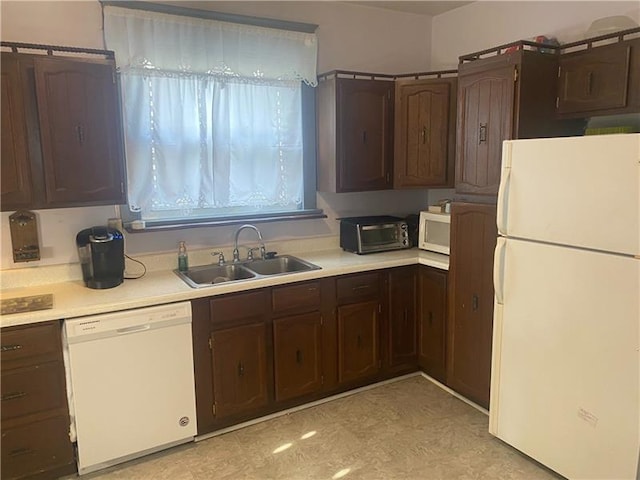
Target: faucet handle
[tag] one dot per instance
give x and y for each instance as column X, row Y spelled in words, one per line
column 221, row 260
column 250, row 252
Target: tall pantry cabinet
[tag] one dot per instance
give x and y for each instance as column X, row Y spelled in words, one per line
column 504, row 93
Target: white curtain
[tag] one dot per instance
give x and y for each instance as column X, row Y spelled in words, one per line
column 213, row 121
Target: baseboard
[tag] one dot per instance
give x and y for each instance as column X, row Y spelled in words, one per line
column 455, row 394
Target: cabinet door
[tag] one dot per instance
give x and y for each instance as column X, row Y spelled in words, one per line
column 358, row 353
column 402, row 318
column 485, row 119
column 16, row 170
column 297, row 355
column 594, row 80
column 80, row 129
column 364, row 134
column 473, row 240
column 239, row 369
column 432, row 308
column 422, row 133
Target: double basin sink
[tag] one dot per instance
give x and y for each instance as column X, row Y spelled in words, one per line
column 208, row 275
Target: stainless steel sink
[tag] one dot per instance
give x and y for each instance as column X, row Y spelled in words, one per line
column 280, row 266
column 208, row 275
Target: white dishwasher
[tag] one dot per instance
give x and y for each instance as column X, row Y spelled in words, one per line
column 131, row 383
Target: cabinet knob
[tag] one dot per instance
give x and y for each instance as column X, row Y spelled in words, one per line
column 364, row 136
column 298, row 357
column 474, row 303
column 423, row 135
column 240, row 369
column 430, row 318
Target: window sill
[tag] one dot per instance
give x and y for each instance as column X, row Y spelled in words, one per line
column 200, row 223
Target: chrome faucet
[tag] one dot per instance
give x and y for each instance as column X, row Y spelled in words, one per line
column 236, row 253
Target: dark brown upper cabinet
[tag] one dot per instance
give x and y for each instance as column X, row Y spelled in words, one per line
column 502, row 96
column 355, row 132
column 424, row 139
column 596, row 79
column 16, row 177
column 62, row 146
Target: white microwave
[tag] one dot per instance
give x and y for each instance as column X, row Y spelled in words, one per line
column 434, row 232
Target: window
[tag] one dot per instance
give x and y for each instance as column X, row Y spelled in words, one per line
column 213, row 115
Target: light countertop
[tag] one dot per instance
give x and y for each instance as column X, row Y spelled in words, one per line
column 72, row 299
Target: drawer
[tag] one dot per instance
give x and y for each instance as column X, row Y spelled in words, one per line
column 243, row 306
column 356, row 287
column 36, row 447
column 32, row 389
column 30, row 344
column 303, row 297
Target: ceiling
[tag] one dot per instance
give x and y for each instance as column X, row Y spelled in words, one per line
column 427, row 7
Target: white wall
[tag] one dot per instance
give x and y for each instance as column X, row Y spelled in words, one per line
column 486, row 24
column 350, row 38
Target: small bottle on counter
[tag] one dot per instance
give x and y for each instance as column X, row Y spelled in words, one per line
column 183, row 258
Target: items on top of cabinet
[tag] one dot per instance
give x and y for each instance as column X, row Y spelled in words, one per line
column 607, row 25
column 61, row 135
column 600, row 75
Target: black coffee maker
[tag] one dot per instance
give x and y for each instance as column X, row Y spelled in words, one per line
column 101, row 252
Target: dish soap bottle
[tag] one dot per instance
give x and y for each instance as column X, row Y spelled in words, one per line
column 183, row 258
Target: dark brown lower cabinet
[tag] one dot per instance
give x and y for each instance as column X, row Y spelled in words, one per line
column 35, row 417
column 297, row 345
column 239, row 369
column 473, row 241
column 432, row 310
column 401, row 333
column 358, row 351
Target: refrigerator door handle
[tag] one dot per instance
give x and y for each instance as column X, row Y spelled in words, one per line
column 503, row 190
column 498, row 270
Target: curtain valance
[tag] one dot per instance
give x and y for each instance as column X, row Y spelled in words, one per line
column 144, row 40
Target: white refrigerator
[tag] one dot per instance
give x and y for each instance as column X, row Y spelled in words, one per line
column 566, row 363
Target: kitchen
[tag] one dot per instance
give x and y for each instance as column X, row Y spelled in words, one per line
column 395, row 32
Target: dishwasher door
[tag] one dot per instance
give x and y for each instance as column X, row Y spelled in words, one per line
column 132, row 388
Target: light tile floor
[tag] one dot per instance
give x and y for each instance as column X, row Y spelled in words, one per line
column 410, row 429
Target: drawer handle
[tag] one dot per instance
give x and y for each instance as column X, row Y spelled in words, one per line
column 360, row 287
column 240, row 369
column 9, row 348
column 474, row 303
column 298, row 357
column 482, row 137
column 13, row 396
column 18, row 452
